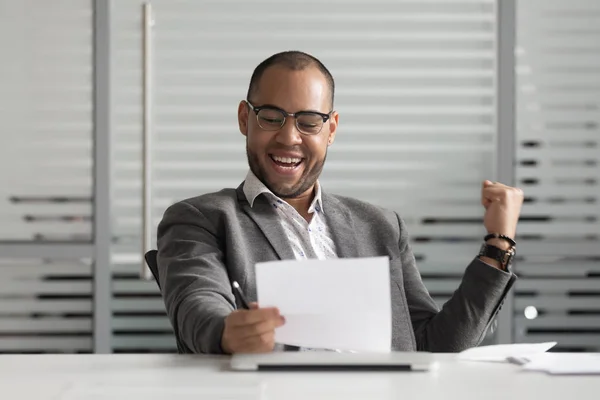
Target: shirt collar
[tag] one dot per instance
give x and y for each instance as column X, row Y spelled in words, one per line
column 253, row 187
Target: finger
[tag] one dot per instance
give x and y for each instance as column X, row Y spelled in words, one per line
column 485, row 202
column 250, row 317
column 257, row 329
column 501, row 190
column 259, row 344
column 253, row 305
column 503, row 196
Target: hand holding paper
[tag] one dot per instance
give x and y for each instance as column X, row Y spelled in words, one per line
column 335, row 304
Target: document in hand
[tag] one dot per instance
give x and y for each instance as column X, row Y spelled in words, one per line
column 342, row 304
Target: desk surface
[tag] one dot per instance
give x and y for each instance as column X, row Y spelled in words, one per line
column 150, row 377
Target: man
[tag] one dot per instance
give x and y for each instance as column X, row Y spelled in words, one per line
column 281, row 212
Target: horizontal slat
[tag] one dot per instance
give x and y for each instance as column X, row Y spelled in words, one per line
column 125, row 49
column 559, row 228
column 558, row 322
column 50, row 344
column 46, row 250
column 130, row 287
column 561, row 173
column 39, row 287
column 16, row 270
column 140, row 324
column 455, row 268
column 572, row 208
column 132, row 305
column 557, row 153
column 552, row 189
column 446, row 286
column 143, row 342
column 558, row 303
column 558, row 269
column 547, row 249
column 44, row 325
column 566, row 339
column 548, row 286
column 24, row 307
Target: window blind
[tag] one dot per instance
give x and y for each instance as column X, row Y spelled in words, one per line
column 46, row 114
column 558, row 96
column 415, row 92
column 45, row 179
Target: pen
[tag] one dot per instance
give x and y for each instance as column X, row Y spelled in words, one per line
column 517, row 360
column 238, row 291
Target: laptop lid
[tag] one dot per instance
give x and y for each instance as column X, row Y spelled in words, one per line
column 327, row 360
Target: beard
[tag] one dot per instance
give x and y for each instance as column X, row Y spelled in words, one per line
column 307, row 179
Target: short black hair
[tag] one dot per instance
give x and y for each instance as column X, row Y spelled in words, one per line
column 295, row 61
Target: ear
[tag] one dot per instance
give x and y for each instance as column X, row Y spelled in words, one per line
column 243, row 117
column 333, row 122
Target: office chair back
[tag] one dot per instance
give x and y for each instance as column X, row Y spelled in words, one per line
column 152, row 262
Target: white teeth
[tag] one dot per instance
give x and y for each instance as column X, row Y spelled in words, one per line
column 287, row 160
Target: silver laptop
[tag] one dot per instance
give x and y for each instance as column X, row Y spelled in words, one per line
column 333, row 361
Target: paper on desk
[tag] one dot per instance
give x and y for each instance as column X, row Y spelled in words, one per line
column 565, row 363
column 340, row 304
column 501, row 352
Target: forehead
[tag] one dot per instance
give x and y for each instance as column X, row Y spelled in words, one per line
column 294, row 90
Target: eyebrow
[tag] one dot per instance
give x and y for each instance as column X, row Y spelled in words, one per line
column 279, row 108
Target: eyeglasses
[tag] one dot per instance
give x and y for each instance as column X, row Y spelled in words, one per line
column 271, row 118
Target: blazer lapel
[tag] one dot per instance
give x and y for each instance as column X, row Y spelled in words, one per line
column 262, row 214
column 341, row 225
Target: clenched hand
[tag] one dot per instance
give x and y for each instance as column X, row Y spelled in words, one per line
column 502, row 208
column 251, row 331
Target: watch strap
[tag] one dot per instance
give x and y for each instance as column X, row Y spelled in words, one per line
column 504, row 257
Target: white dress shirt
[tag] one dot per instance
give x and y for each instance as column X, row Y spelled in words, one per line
column 308, row 240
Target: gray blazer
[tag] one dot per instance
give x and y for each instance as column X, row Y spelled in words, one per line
column 206, row 242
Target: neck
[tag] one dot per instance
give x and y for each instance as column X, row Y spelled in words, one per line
column 302, row 203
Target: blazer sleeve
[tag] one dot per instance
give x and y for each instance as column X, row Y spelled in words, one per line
column 193, row 277
column 465, row 318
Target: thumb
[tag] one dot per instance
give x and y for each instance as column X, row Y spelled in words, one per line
column 253, row 305
column 487, row 183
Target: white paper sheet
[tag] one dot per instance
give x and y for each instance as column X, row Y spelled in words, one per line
column 342, row 304
column 565, row 363
column 500, row 352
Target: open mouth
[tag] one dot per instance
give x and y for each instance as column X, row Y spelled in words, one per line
column 286, row 163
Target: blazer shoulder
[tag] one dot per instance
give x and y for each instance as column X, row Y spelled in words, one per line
column 215, row 201
column 209, row 205
column 386, row 222
column 364, row 208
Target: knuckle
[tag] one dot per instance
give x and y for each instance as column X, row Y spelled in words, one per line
column 516, row 193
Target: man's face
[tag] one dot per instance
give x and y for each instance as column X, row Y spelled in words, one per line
column 287, row 161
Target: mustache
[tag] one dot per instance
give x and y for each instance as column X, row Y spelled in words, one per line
column 291, row 149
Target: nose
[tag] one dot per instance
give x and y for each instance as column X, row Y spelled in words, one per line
column 288, row 135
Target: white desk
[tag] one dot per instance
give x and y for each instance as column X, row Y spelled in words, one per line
column 174, row 377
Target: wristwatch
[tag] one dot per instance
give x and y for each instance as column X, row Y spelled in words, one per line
column 504, row 257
